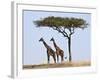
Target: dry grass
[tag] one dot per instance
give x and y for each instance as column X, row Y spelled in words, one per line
column 58, row 65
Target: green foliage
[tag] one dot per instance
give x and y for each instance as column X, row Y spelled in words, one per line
column 65, row 22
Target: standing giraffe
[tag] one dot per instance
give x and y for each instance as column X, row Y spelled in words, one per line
column 59, row 52
column 50, row 51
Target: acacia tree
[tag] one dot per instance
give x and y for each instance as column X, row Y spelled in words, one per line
column 64, row 25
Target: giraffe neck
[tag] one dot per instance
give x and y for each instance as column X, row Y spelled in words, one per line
column 55, row 44
column 45, row 44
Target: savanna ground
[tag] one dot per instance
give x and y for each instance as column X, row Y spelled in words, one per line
column 58, row 65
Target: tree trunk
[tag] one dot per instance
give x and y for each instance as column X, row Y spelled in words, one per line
column 69, row 48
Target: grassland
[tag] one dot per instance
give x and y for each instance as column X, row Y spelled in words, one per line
column 58, row 65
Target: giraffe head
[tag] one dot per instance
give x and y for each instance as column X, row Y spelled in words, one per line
column 41, row 39
column 52, row 39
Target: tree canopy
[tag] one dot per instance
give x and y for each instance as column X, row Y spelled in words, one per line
column 59, row 22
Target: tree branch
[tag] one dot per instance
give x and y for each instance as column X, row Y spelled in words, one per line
column 60, row 31
column 54, row 28
column 71, row 30
column 63, row 32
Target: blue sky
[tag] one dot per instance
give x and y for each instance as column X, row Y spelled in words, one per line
column 34, row 51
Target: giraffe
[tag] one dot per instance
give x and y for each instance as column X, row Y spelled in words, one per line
column 59, row 52
column 50, row 51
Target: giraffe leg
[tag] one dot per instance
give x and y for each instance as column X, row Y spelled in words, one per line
column 48, row 57
column 62, row 55
column 54, row 58
column 57, row 58
column 61, row 58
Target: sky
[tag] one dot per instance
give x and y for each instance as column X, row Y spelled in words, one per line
column 34, row 51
